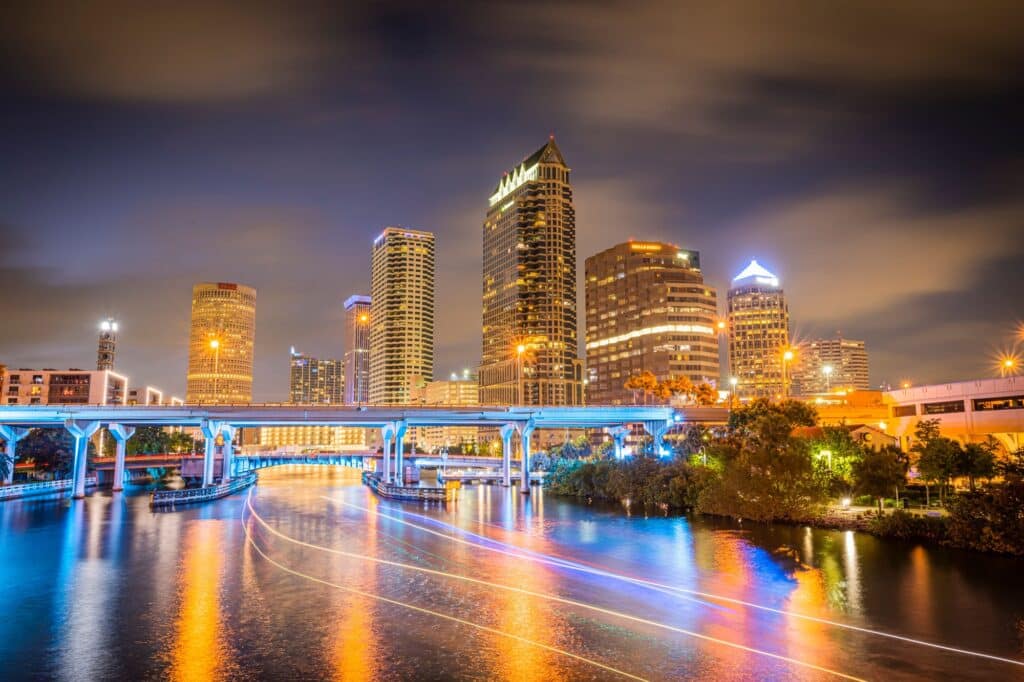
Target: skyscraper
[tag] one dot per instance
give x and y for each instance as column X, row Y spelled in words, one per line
column 106, row 348
column 221, row 343
column 357, row 349
column 314, row 381
column 401, row 314
column 829, row 364
column 758, row 320
column 648, row 309
column 529, row 353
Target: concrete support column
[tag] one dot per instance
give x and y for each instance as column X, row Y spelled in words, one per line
column 11, row 435
column 618, row 434
column 386, row 433
column 657, row 429
column 507, row 432
column 400, row 428
column 121, row 434
column 228, row 432
column 81, row 431
column 210, row 431
column 524, row 465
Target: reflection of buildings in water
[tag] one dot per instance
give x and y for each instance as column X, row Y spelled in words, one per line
column 356, row 650
column 84, row 587
column 198, row 652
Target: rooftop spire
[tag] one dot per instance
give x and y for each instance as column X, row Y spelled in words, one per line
column 758, row 273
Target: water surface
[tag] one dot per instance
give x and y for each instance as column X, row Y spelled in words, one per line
column 321, row 583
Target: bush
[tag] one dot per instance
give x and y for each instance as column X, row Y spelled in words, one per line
column 645, row 481
column 990, row 520
column 903, row 525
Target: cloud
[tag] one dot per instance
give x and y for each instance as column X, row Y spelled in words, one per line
column 186, row 51
column 752, row 69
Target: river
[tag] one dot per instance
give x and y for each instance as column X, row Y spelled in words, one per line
column 312, row 577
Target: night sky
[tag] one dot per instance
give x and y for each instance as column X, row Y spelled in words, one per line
column 870, row 154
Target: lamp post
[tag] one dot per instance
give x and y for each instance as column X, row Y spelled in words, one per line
column 215, row 346
column 787, row 357
column 734, row 382
column 827, row 371
column 1007, row 367
column 520, row 349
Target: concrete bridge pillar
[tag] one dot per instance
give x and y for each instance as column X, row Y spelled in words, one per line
column 11, row 435
column 386, row 434
column 227, row 432
column 210, row 431
column 400, row 428
column 525, row 431
column 121, row 434
column 507, row 432
column 618, row 434
column 657, row 429
column 81, row 431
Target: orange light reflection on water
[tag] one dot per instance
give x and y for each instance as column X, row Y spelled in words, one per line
column 198, row 652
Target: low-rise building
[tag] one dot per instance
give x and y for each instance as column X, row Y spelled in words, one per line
column 309, row 438
column 968, row 411
column 64, row 387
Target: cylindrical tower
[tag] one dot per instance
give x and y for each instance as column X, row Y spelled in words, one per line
column 221, row 343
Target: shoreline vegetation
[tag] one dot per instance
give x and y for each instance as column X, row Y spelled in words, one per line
column 757, row 470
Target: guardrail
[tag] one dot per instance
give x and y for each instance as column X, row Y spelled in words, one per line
column 20, row 490
column 402, row 492
column 168, row 499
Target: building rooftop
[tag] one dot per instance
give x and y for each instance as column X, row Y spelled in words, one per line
column 758, row 273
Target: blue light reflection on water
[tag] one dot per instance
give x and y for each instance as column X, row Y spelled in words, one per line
column 103, row 587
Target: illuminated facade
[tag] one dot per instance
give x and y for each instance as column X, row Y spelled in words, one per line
column 529, row 287
column 758, row 324
column 145, row 395
column 357, row 349
column 825, row 365
column 648, row 309
column 401, row 315
column 221, row 343
column 106, row 348
column 313, row 381
column 305, row 437
column 460, row 390
column 64, row 387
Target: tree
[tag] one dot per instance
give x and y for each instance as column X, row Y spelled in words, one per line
column 925, row 433
column 704, row 394
column 836, row 468
column 795, row 412
column 1011, row 467
column 50, row 450
column 975, row 460
column 938, row 463
column 149, row 440
column 879, row 473
column 180, row 441
column 645, row 382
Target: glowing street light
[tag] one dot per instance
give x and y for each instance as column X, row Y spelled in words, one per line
column 1008, row 366
column 827, row 371
column 787, row 357
column 827, row 454
column 733, row 382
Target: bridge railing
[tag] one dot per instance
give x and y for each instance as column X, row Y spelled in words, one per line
column 11, row 492
column 173, row 498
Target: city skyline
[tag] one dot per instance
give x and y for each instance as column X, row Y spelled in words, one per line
column 823, row 184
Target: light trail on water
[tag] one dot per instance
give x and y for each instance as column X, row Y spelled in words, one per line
column 455, row 619
column 541, row 595
column 497, row 546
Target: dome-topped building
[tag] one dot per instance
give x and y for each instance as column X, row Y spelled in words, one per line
column 758, row 319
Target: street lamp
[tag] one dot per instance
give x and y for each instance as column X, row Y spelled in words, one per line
column 215, row 346
column 733, row 381
column 827, row 371
column 787, row 357
column 520, row 349
column 828, row 455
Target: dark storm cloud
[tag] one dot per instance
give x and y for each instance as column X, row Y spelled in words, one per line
column 866, row 152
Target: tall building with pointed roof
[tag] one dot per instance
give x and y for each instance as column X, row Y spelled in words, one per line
column 758, row 320
column 530, row 334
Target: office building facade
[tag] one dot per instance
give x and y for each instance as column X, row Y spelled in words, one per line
column 313, row 381
column 529, row 287
column 357, row 349
column 401, row 315
column 221, row 343
column 64, row 387
column 106, row 347
column 648, row 309
column 825, row 365
column 758, row 327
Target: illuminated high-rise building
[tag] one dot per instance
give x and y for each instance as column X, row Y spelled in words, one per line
column 530, row 335
column 401, row 315
column 648, row 309
column 106, row 349
column 826, row 365
column 758, row 322
column 357, row 349
column 313, row 381
column 221, row 343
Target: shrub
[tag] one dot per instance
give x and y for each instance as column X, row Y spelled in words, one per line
column 903, row 525
column 990, row 520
